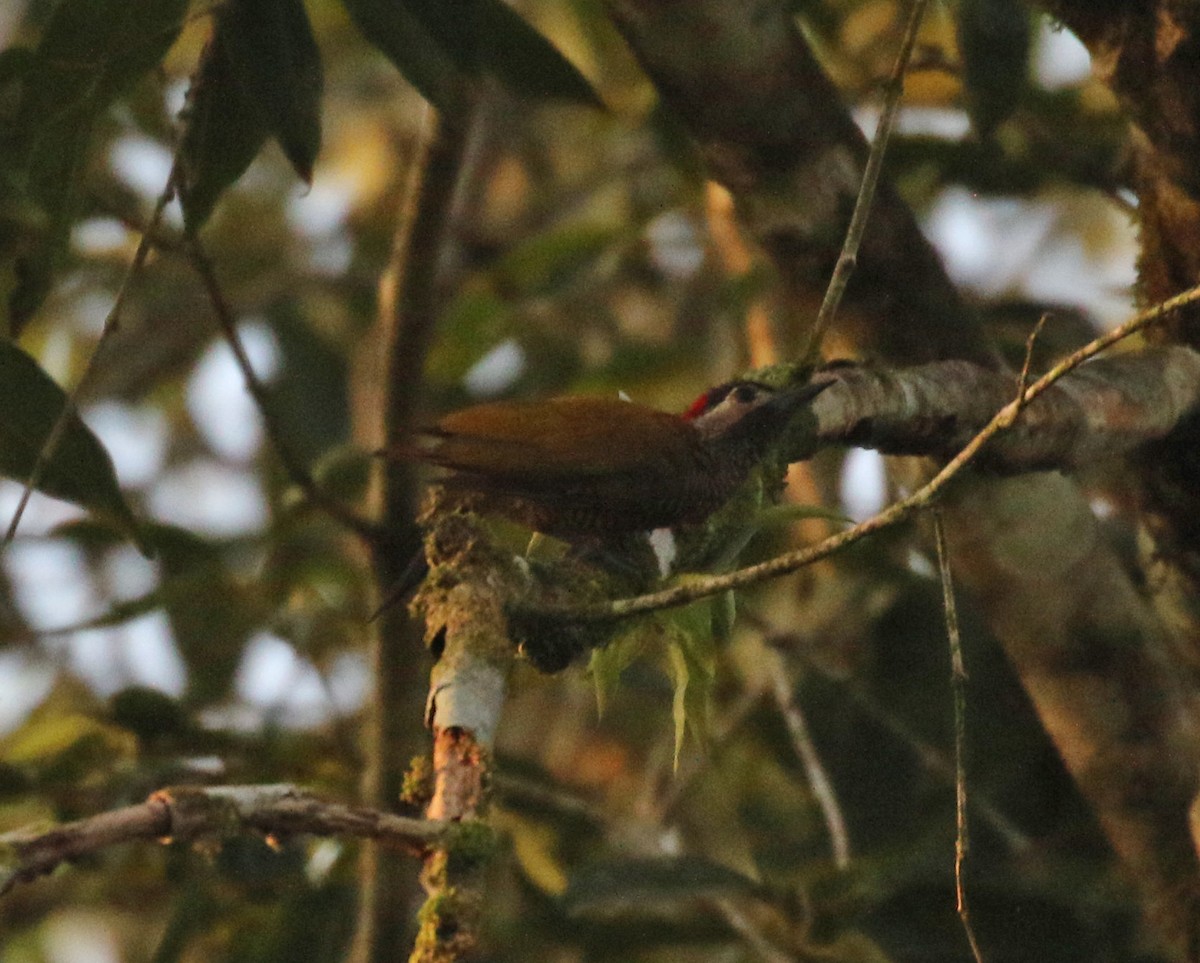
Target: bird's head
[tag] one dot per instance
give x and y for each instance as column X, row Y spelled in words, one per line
column 748, row 410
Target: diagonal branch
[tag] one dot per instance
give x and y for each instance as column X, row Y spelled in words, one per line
column 848, row 258
column 112, row 324
column 895, row 513
column 296, row 470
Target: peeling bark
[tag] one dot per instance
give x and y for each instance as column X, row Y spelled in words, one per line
column 465, row 624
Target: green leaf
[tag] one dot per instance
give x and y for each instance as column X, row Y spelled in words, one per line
column 212, row 613
column 635, row 887
column 439, row 45
column 488, row 36
column 526, row 62
column 260, row 77
column 607, row 663
column 400, row 35
column 691, row 655
column 15, row 62
column 549, row 261
column 148, row 713
column 90, row 53
column 59, row 744
column 344, row 472
column 724, row 615
column 80, row 469
column 311, row 393
column 475, row 320
column 994, row 41
column 291, row 82
column 681, row 677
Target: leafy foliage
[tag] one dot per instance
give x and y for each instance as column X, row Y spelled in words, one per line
column 80, row 470
column 261, row 77
column 555, row 276
column 89, row 54
column 439, row 47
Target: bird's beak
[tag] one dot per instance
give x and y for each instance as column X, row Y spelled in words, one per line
column 793, row 396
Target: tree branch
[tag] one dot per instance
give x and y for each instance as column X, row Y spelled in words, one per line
column 296, row 470
column 1103, row 409
column 188, row 813
column 770, row 125
column 409, row 304
column 700, row 588
column 855, row 231
column 771, row 128
column 1146, row 53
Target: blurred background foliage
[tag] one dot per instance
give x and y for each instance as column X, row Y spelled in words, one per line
column 587, row 253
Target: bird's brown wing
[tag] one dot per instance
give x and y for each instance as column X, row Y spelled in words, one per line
column 540, row 446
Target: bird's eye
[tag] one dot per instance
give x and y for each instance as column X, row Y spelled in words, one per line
column 744, row 394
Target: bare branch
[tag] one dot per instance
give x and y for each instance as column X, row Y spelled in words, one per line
column 931, row 758
column 296, row 470
column 848, row 258
column 771, row 127
column 818, row 778
column 188, row 813
column 409, row 302
column 958, row 686
column 112, row 324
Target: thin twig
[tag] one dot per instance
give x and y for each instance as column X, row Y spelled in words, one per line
column 111, row 325
column 958, row 686
column 930, row 757
column 411, row 295
column 1023, row 378
column 818, row 778
column 848, row 258
column 295, row 468
column 899, row 511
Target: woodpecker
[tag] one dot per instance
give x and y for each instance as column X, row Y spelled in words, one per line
column 589, row 467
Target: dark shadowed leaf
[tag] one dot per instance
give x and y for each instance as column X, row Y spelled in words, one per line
column 80, row 470
column 286, row 65
column 89, row 54
column 438, row 44
column 401, row 37
column 525, row 61
column 14, row 62
column 225, row 128
column 310, row 395
column 212, row 613
column 149, row 714
column 488, row 36
column 640, row 887
column 261, row 77
column 994, row 40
